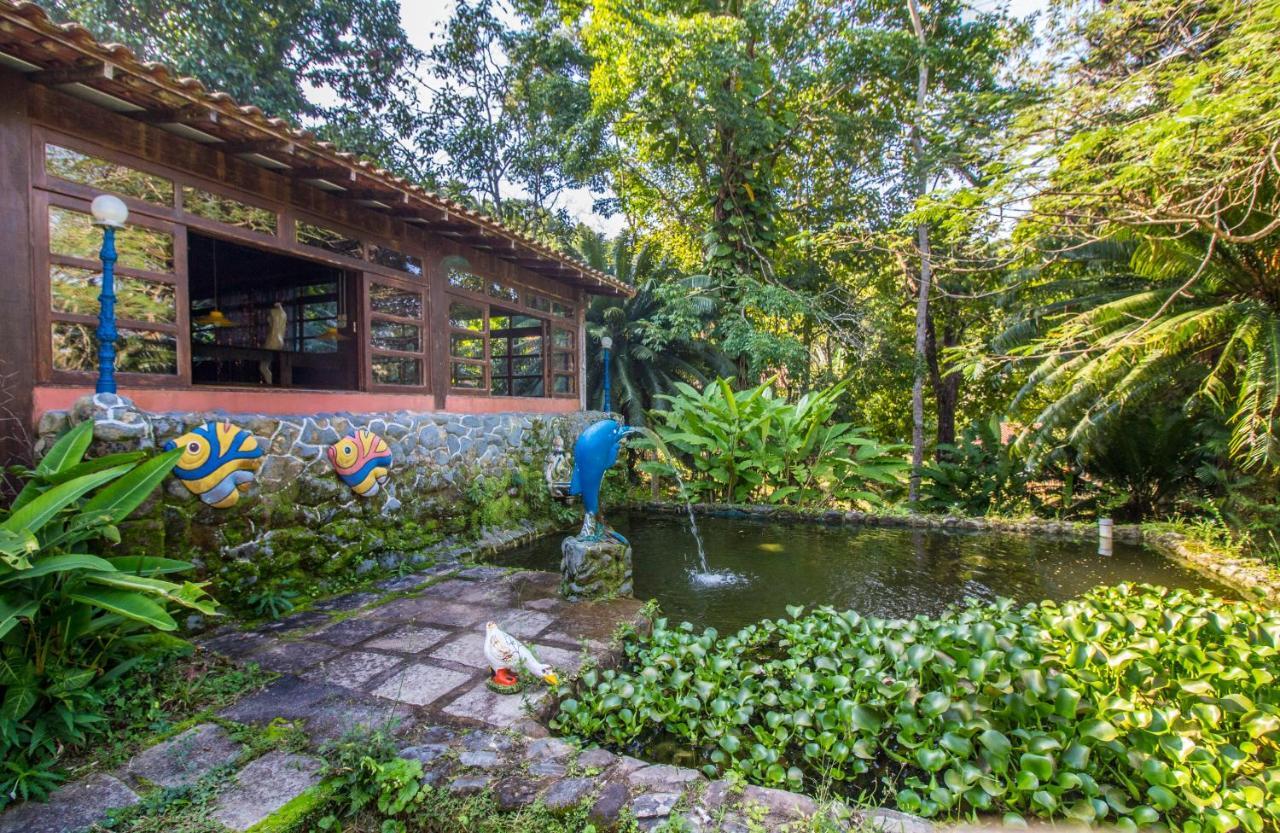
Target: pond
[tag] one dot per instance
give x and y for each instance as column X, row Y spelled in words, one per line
column 758, row 568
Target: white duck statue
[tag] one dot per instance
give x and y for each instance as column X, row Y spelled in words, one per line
column 508, row 657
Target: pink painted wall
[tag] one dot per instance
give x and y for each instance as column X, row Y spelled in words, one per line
column 279, row 402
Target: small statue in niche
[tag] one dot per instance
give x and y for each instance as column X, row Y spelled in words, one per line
column 362, row 460
column 557, row 469
column 508, row 657
column 218, row 462
column 277, row 323
column 595, row 451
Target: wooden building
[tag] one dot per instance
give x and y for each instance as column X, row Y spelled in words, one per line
column 262, row 270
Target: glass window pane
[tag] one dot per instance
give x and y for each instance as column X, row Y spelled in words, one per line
column 501, row 386
column 392, row 335
column 74, row 166
column 498, row 290
column 393, row 301
column 466, row 347
column 75, row 347
column 73, row 233
column 75, row 290
column 528, row 346
column 561, row 310
column 528, row 366
column 539, row 302
column 466, row 317
column 467, row 375
column 392, row 259
column 526, row 386
column 226, row 210
column 328, row 239
column 562, row 361
column 466, row 280
column 498, row 347
column 563, row 384
column 396, row 370
column 563, row 339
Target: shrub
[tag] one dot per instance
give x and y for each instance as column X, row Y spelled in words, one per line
column 1130, row 705
column 70, row 618
column 753, row 446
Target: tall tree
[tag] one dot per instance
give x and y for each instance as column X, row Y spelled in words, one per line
column 926, row 265
column 277, row 54
column 508, row 114
column 1163, row 136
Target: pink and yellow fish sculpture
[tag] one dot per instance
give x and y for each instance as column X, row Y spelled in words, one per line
column 362, row 459
column 218, row 462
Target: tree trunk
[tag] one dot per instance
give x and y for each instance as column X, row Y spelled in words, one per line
column 946, row 389
column 926, row 265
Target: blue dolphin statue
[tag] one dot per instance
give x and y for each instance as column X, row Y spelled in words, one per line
column 595, row 451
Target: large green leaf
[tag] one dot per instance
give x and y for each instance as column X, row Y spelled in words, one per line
column 38, row 512
column 58, row 564
column 14, row 608
column 148, row 565
column 20, row 695
column 118, row 500
column 16, row 548
column 128, row 604
column 96, row 464
column 67, row 451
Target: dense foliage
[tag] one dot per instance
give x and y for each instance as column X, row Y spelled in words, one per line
column 755, row 446
column 1129, row 706
column 70, row 619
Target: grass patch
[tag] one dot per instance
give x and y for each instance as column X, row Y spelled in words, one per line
column 168, row 691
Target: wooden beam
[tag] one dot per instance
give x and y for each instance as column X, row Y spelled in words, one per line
column 257, row 146
column 97, row 71
column 328, row 173
column 180, row 115
column 381, row 194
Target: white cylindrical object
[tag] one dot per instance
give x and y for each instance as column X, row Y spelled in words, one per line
column 109, row 211
column 1105, row 528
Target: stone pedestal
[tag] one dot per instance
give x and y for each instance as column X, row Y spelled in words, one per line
column 594, row 569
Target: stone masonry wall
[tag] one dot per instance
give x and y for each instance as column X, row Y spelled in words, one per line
column 456, row 479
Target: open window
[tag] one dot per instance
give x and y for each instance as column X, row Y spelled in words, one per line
column 517, row 348
column 268, row 319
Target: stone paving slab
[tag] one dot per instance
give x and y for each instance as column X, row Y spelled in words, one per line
column 326, row 711
column 421, row 684
column 184, row 758
column 354, row 669
column 351, row 632
column 409, row 639
column 71, row 809
column 264, row 786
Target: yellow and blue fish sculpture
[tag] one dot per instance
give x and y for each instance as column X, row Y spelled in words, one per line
column 218, row 462
column 362, row 459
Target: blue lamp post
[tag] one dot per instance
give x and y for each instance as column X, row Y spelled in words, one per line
column 109, row 213
column 606, row 343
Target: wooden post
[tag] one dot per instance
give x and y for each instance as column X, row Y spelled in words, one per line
column 17, row 313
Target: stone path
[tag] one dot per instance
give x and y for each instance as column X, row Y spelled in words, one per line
column 409, row 652
column 410, row 655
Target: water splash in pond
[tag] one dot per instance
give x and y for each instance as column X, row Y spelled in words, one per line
column 757, row 568
column 703, row 575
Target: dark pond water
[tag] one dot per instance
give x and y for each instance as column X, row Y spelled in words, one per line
column 758, row 568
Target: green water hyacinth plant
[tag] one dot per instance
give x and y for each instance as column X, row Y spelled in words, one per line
column 71, row 613
column 1129, row 707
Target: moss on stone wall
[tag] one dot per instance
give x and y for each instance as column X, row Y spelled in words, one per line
column 455, row 478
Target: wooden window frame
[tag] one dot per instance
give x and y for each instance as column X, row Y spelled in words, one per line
column 436, row 293
column 41, row 202
column 483, row 334
column 367, row 351
column 574, row 366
